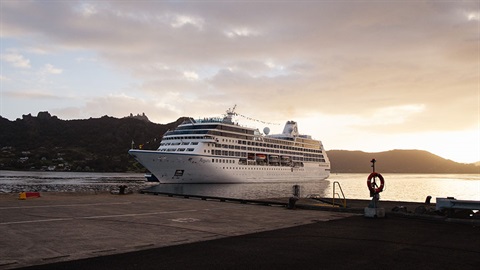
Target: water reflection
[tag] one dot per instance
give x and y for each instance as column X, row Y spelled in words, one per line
column 398, row 187
column 413, row 187
column 244, row 191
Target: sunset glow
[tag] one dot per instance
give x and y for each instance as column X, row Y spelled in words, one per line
column 358, row 75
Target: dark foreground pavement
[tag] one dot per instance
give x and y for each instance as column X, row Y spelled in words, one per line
column 349, row 243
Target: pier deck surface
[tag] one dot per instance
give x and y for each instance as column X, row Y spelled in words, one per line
column 158, row 232
column 60, row 227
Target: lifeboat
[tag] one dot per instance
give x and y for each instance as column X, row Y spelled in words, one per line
column 261, row 156
column 285, row 160
column 273, row 158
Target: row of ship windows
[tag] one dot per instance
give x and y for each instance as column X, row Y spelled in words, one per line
column 294, row 159
column 178, row 143
column 242, row 139
column 251, row 162
column 229, row 146
column 263, row 150
column 278, row 144
column 177, row 150
column 222, row 160
column 244, row 154
column 260, row 168
column 188, row 138
column 218, row 127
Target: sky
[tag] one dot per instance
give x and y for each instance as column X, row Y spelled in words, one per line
column 358, row 75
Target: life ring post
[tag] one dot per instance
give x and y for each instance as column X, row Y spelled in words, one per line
column 375, row 188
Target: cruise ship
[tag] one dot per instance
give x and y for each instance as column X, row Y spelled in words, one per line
column 219, row 150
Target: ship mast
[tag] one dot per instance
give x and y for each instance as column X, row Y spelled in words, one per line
column 229, row 116
column 231, row 112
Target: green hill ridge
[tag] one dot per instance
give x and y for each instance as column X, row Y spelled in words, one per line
column 396, row 161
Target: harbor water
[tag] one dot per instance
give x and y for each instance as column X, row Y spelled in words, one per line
column 398, row 187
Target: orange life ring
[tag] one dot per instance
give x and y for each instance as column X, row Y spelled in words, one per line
column 372, row 186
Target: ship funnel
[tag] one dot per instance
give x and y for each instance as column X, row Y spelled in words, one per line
column 291, row 129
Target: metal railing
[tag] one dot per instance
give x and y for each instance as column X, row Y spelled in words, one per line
column 336, row 193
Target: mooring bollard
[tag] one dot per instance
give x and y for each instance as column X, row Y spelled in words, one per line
column 427, row 200
column 291, row 202
column 296, row 191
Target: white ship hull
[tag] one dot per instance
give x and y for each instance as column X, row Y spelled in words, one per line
column 189, row 168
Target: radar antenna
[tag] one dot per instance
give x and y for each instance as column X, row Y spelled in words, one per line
column 229, row 116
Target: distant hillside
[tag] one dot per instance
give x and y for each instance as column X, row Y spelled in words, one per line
column 395, row 161
column 101, row 144
column 95, row 144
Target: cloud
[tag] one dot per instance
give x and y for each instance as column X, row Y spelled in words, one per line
column 241, row 32
column 118, row 105
column 40, row 50
column 182, row 20
column 31, row 95
column 86, row 59
column 50, row 69
column 395, row 114
column 190, row 75
column 473, row 16
column 87, row 9
column 17, row 60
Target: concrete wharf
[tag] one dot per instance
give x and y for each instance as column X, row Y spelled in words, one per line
column 141, row 231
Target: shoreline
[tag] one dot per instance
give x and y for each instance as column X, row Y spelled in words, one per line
column 399, row 187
